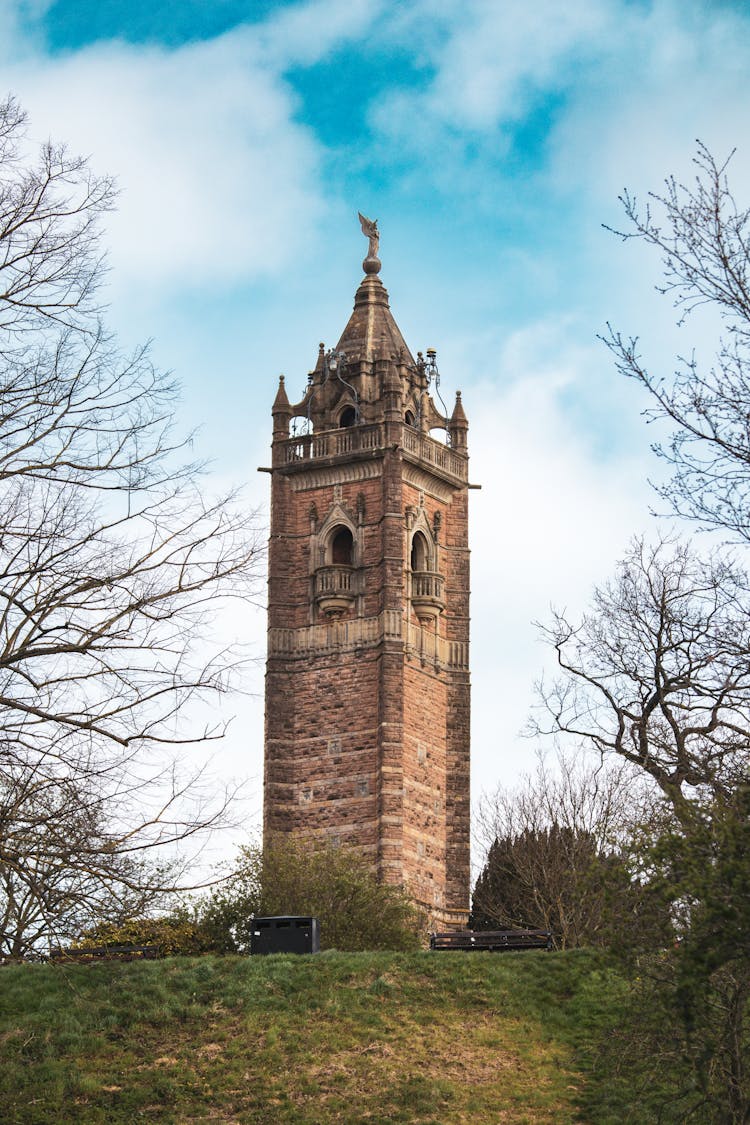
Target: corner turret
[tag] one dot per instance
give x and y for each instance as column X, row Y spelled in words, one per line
column 458, row 425
column 281, row 411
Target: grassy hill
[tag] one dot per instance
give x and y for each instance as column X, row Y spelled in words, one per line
column 430, row 1038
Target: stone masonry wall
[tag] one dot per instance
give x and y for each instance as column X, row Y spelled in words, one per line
column 370, row 746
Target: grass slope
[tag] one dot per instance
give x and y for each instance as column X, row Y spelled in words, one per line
column 430, row 1038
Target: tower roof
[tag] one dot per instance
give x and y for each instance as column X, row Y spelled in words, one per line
column 372, row 333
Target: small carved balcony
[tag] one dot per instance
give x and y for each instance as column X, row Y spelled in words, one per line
column 427, row 595
column 334, row 589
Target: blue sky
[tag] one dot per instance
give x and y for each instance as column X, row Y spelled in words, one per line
column 491, row 141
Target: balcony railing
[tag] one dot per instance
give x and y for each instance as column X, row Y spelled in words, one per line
column 427, row 594
column 435, row 453
column 348, row 633
column 334, row 589
column 334, row 443
column 359, row 439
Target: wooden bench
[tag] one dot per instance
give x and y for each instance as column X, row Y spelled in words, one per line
column 493, row 941
column 108, row 953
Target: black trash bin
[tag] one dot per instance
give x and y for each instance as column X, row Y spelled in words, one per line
column 285, row 934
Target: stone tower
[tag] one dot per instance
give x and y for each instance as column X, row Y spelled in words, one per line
column 367, row 679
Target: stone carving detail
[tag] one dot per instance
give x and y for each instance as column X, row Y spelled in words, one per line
column 340, row 474
column 431, row 485
column 371, row 232
column 368, row 632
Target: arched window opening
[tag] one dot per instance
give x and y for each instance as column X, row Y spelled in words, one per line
column 348, row 417
column 409, row 418
column 342, row 547
column 439, row 433
column 419, row 553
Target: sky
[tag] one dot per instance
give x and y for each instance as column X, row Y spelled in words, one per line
column 491, row 140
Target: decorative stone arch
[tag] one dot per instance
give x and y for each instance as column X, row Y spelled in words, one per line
column 337, row 519
column 420, row 554
column 412, row 412
column 340, row 547
column 425, row 583
column 335, row 556
column 421, row 543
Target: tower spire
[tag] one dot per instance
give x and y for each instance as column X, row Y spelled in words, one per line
column 371, row 332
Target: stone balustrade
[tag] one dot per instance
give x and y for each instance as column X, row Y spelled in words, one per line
column 334, row 589
column 346, row 634
column 359, row 439
column 427, row 595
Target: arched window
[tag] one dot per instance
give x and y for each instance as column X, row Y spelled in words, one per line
column 348, row 417
column 409, row 418
column 419, row 553
column 342, row 547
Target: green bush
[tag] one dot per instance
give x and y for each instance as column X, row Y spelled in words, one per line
column 292, row 875
column 296, row 875
column 174, row 934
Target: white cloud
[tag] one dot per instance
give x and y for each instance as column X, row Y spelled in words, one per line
column 681, row 74
column 219, row 182
column 550, row 522
column 214, row 172
column 308, row 32
column 491, row 61
column 632, row 86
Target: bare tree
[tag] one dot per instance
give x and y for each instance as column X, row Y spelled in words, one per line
column 559, row 853
column 704, row 239
column 51, row 258
column 112, row 562
column 658, row 672
column 58, row 870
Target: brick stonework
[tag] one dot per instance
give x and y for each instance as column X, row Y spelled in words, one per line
column 367, row 680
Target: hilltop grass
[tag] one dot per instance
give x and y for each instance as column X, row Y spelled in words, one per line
column 428, row 1038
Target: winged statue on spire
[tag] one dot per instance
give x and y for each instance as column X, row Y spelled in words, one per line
column 370, row 230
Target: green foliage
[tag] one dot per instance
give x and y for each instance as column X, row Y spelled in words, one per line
column 174, row 934
column 707, row 871
column 299, row 876
column 561, row 879
column 684, row 1038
